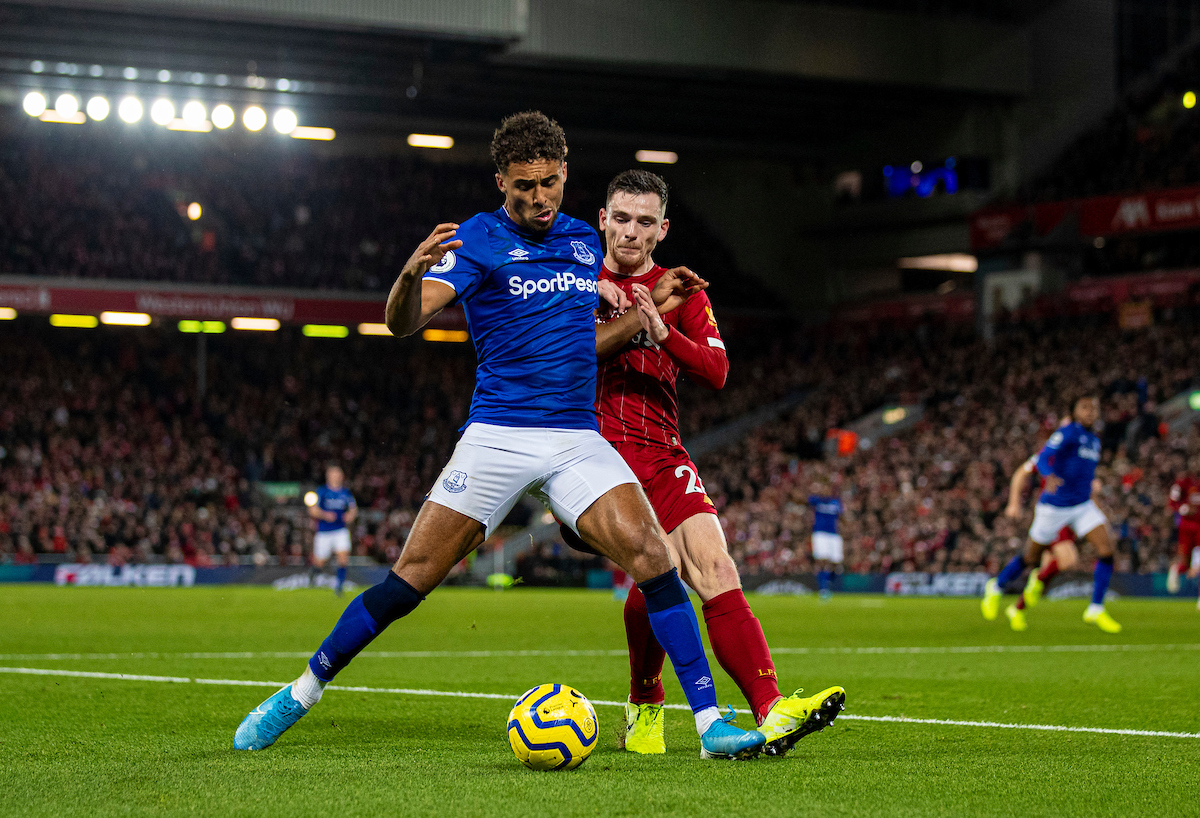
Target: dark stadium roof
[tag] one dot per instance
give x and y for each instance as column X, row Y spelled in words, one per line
column 376, row 81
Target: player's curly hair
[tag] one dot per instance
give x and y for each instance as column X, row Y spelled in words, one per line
column 527, row 137
column 638, row 182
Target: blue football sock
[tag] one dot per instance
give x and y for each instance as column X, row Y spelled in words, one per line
column 823, row 580
column 341, row 577
column 364, row 619
column 673, row 621
column 1101, row 577
column 1011, row 571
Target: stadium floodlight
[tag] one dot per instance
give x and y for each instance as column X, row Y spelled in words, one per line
column 77, row 118
column 162, row 112
column 950, row 262
column 130, row 110
column 373, row 329
column 66, row 105
column 125, row 319
column 256, row 324
column 164, row 75
column 130, row 73
column 97, row 108
column 306, row 132
column 193, row 113
column 325, row 331
column 285, row 120
column 96, row 71
column 223, row 116
column 74, row 321
column 180, row 125
column 254, row 118
column 310, row 498
column 657, row 157
column 207, row 327
column 7, row 313
column 428, row 140
column 34, row 104
column 194, row 211
column 457, row 336
column 37, row 66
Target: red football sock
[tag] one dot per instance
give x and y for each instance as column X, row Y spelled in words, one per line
column 1021, row 602
column 741, row 648
column 1050, row 570
column 645, row 654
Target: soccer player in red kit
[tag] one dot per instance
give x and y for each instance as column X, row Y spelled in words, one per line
column 1184, row 500
column 639, row 415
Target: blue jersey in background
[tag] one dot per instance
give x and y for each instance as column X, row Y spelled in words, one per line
column 339, row 501
column 826, row 511
column 1071, row 454
column 530, row 302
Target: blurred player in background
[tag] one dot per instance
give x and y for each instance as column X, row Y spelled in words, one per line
column 1184, row 501
column 334, row 511
column 826, row 541
column 1068, row 463
column 642, row 353
column 526, row 276
column 1061, row 556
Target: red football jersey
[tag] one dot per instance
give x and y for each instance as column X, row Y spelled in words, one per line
column 1186, row 491
column 636, row 399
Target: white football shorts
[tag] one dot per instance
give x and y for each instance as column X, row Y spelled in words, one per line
column 1048, row 520
column 326, row 543
column 826, row 546
column 492, row 466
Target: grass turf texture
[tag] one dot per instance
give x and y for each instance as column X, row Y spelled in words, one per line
column 100, row 746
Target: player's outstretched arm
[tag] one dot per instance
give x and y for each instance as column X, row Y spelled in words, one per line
column 1016, row 489
column 410, row 305
column 672, row 289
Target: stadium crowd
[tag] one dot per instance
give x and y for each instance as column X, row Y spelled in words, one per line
column 932, row 498
column 86, row 206
column 109, row 455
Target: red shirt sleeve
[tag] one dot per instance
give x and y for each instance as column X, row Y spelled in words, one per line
column 696, row 345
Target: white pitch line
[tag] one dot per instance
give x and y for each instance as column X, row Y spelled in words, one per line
column 510, row 654
column 460, row 694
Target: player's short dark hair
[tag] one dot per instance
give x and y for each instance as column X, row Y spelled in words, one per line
column 1075, row 399
column 638, row 182
column 527, row 137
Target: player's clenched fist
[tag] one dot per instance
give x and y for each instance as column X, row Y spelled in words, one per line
column 433, row 249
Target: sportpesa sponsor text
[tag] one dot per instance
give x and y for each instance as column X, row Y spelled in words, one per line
column 561, row 283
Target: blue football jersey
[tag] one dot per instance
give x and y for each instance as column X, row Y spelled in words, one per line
column 530, row 302
column 826, row 511
column 1072, row 454
column 338, row 501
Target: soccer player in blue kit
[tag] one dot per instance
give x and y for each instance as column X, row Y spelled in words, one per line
column 1068, row 463
column 827, row 547
column 526, row 276
column 334, row 510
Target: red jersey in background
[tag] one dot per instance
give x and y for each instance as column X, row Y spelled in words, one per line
column 636, row 397
column 1186, row 492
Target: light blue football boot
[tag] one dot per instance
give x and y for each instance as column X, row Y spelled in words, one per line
column 724, row 740
column 267, row 722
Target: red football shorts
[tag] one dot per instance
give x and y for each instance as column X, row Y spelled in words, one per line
column 1189, row 537
column 670, row 480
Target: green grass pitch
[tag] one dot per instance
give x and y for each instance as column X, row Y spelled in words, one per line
column 98, row 746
